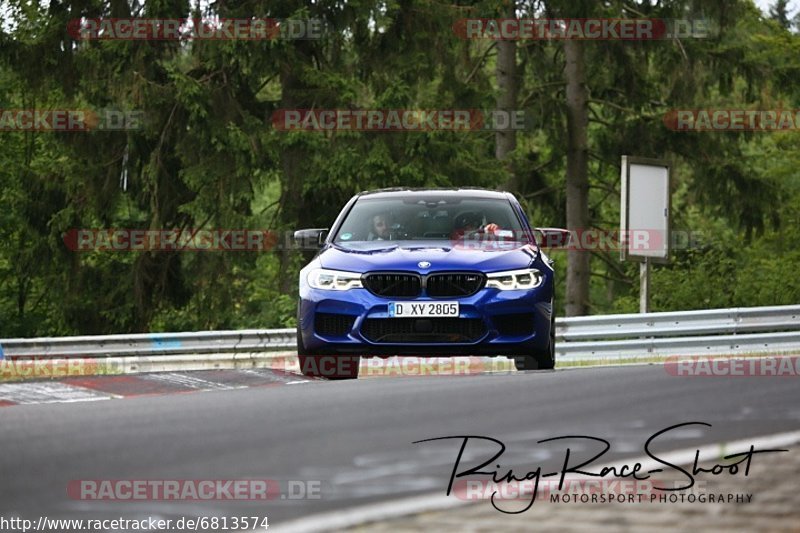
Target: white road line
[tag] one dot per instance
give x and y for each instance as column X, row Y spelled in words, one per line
column 437, row 501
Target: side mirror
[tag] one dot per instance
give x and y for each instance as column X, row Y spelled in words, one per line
column 554, row 237
column 310, row 239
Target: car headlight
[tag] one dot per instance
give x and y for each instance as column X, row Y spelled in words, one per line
column 529, row 278
column 334, row 280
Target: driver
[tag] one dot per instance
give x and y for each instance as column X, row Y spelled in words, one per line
column 379, row 228
column 470, row 222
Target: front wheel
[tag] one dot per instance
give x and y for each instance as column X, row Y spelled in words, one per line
column 540, row 359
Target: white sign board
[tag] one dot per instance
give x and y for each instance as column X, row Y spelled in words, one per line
column 644, row 210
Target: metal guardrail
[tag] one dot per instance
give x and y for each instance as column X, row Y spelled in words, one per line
column 739, row 330
column 148, row 344
column 706, row 332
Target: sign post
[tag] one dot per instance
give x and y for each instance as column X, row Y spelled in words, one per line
column 644, row 286
column 644, row 217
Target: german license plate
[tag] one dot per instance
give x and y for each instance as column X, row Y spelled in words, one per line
column 423, row 309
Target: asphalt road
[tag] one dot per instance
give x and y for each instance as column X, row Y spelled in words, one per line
column 355, row 438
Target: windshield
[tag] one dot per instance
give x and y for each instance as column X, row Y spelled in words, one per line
column 427, row 218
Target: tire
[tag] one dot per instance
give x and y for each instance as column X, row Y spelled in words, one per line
column 301, row 348
column 325, row 366
column 540, row 359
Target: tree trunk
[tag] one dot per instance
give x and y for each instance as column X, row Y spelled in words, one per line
column 507, row 85
column 294, row 91
column 578, row 261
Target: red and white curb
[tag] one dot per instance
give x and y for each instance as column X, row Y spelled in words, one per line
column 94, row 388
column 136, row 377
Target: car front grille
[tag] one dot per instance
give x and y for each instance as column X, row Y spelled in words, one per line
column 332, row 324
column 454, row 284
column 401, row 285
column 514, row 324
column 433, row 330
column 407, row 285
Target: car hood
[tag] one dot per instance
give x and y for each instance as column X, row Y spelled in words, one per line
column 405, row 255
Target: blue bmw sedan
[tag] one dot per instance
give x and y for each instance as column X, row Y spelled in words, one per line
column 425, row 272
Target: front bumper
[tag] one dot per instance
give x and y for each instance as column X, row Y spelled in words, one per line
column 490, row 322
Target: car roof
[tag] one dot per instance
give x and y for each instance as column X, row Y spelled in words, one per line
column 475, row 192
